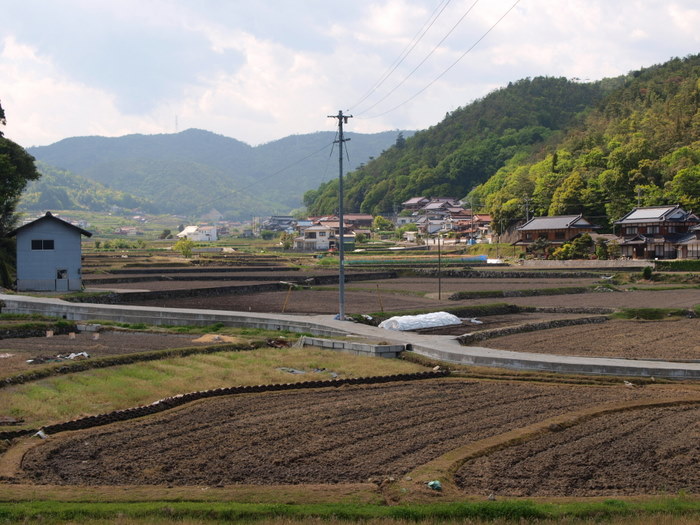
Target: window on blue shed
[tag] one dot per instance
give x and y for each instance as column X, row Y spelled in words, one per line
column 42, row 244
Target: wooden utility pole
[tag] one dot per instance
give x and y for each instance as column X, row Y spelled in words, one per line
column 342, row 119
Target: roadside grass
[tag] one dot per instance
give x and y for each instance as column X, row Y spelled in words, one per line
column 675, row 510
column 651, row 314
column 96, row 391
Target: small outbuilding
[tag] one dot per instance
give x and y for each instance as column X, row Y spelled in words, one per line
column 49, row 255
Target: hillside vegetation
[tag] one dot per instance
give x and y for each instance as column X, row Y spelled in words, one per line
column 192, row 171
column 558, row 146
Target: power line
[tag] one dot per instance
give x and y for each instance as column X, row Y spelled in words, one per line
column 406, row 51
column 435, row 48
column 448, row 68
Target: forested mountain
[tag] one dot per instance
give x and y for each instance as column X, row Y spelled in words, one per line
column 466, row 148
column 194, row 170
column 640, row 145
column 551, row 145
column 62, row 190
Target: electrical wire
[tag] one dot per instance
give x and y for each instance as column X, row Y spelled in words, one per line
column 406, row 51
column 435, row 48
column 448, row 68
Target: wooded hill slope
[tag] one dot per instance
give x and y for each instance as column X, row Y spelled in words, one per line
column 561, row 146
column 191, row 172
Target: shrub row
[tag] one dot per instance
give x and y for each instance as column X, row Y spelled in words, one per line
column 478, row 294
column 36, row 329
column 685, row 265
column 506, row 274
column 175, row 401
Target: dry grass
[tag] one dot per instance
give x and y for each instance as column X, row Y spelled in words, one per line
column 102, row 390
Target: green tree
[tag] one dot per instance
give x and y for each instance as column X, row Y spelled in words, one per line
column 16, row 170
column 382, row 224
column 185, row 247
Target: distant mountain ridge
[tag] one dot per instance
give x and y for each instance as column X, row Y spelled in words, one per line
column 191, row 171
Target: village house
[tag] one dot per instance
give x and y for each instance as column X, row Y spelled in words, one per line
column 314, row 238
column 49, row 255
column 556, row 230
column 658, row 232
column 199, row 233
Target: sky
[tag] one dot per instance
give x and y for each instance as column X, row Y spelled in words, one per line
column 260, row 70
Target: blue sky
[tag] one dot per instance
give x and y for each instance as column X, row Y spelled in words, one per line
column 259, row 70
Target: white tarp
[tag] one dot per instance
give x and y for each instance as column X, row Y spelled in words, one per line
column 413, row 322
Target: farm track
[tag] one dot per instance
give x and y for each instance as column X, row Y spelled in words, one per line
column 327, row 435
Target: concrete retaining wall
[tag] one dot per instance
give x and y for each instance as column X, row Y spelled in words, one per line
column 365, row 349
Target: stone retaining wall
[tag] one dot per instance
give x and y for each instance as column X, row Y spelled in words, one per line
column 468, row 339
column 175, row 401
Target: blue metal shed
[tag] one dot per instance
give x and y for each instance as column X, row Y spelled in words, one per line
column 49, row 255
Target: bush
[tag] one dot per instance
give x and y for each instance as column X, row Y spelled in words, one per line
column 647, row 273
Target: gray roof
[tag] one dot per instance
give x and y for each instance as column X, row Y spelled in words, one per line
column 49, row 217
column 656, row 214
column 557, row 222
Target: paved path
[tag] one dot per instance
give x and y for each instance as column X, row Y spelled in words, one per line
column 443, row 348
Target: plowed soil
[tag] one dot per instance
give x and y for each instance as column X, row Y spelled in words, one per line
column 348, row 434
column 672, row 340
column 646, row 451
column 108, row 343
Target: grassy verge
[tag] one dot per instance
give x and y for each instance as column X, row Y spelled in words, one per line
column 652, row 314
column 507, row 511
column 480, row 294
column 98, row 391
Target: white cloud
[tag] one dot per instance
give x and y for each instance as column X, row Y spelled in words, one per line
column 258, row 71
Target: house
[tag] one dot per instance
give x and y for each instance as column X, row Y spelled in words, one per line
column 314, row 238
column 657, row 232
column 557, row 230
column 49, row 255
column 688, row 245
column 199, row 233
column 415, row 203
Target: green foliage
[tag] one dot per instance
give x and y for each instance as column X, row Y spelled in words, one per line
column 185, row 247
column 382, row 224
column 647, row 273
column 688, row 265
column 650, row 314
column 641, row 143
column 189, row 172
column 267, row 235
column 579, row 248
column 601, row 249
column 465, row 149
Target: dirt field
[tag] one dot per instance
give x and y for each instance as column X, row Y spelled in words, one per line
column 348, row 434
column 646, row 451
column 670, row 340
column 109, row 343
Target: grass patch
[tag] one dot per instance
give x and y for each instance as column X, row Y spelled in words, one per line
column 102, row 390
column 479, row 294
column 650, row 314
column 506, row 511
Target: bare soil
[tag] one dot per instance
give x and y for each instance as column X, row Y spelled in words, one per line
column 109, row 343
column 330, row 435
column 645, row 451
column 671, row 340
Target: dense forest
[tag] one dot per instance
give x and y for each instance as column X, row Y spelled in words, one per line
column 551, row 145
column 62, row 190
column 191, row 172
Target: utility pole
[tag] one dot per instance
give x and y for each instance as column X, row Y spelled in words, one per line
column 527, row 208
column 342, row 119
